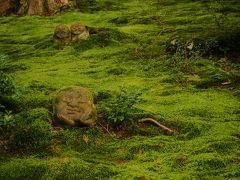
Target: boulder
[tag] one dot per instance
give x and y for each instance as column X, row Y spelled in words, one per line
column 62, row 34
column 79, row 31
column 74, row 107
column 6, row 7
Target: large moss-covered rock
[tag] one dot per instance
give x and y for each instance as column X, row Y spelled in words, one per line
column 79, row 31
column 74, row 106
column 62, row 34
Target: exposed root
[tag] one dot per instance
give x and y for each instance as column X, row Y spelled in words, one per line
column 156, row 123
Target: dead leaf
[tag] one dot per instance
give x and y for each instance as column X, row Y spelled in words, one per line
column 196, row 80
column 228, row 166
column 121, row 161
column 119, row 150
column 77, row 139
column 86, row 139
column 98, row 141
column 57, row 148
column 153, row 89
column 182, row 159
column 140, row 178
column 100, row 115
column 3, row 142
column 226, row 83
column 158, row 161
column 50, row 120
column 55, row 142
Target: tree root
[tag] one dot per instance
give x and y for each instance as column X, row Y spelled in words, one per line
column 156, row 123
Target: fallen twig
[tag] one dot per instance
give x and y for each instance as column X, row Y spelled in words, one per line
column 156, row 123
column 106, row 130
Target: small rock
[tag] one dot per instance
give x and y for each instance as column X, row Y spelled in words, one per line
column 79, row 31
column 74, row 107
column 190, row 45
column 173, row 44
column 62, row 34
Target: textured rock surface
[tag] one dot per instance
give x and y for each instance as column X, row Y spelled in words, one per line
column 62, row 34
column 79, row 31
column 74, row 107
column 6, row 7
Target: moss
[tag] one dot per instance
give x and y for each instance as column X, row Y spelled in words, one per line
column 29, row 134
column 23, row 169
column 126, row 47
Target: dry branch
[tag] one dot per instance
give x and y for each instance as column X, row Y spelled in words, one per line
column 156, row 123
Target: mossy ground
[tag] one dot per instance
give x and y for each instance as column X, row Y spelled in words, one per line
column 130, row 51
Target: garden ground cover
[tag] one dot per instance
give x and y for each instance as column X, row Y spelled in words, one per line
column 129, row 52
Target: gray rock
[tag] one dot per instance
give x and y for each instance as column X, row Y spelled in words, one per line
column 74, row 106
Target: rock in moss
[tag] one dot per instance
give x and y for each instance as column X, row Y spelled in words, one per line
column 62, row 34
column 79, row 31
column 74, row 107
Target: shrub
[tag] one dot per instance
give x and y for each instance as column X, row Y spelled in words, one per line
column 101, row 95
column 7, row 86
column 6, row 118
column 119, row 110
column 8, row 89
